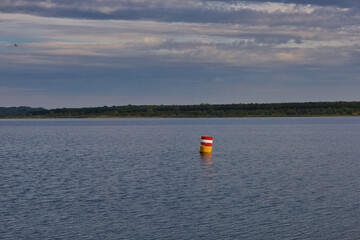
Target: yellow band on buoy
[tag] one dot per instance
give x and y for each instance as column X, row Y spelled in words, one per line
column 205, row 149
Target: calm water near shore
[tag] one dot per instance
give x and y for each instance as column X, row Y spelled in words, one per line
column 268, row 178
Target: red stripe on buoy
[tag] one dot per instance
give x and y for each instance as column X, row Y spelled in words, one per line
column 206, row 144
column 206, row 138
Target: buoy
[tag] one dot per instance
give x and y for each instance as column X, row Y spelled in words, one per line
column 206, row 144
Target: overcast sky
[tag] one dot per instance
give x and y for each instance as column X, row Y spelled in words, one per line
column 92, row 53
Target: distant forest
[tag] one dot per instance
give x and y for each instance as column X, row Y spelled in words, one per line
column 307, row 109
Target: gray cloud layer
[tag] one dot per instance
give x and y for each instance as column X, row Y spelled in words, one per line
column 181, row 11
column 178, row 51
column 341, row 3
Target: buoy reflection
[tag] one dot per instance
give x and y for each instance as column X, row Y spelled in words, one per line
column 206, row 158
column 207, row 168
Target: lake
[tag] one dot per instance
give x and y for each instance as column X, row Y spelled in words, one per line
column 268, row 178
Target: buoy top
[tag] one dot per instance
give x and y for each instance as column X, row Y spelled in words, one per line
column 206, row 138
column 206, row 141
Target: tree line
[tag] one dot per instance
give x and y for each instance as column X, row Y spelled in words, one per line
column 305, row 109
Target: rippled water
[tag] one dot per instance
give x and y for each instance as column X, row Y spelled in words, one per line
column 268, row 178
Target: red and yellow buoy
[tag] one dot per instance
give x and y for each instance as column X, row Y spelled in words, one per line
column 206, row 144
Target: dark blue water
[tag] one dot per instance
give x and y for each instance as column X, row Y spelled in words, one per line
column 268, row 178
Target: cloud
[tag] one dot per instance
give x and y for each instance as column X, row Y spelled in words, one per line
column 343, row 3
column 148, row 48
column 67, row 40
column 250, row 12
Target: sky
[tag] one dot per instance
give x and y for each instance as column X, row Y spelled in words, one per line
column 89, row 53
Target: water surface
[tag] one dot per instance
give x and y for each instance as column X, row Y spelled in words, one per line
column 268, row 178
